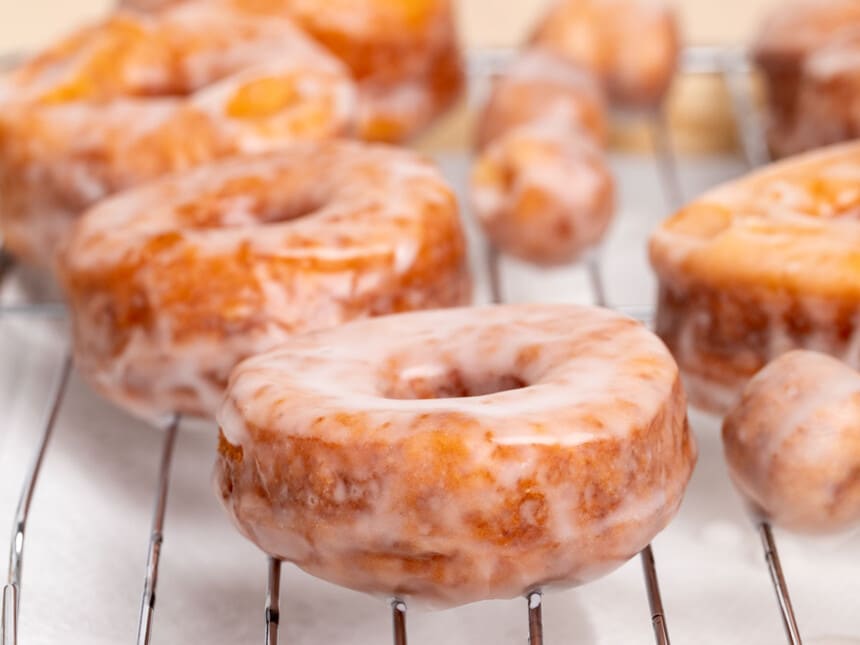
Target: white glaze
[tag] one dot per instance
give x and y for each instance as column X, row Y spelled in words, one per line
column 793, row 442
column 587, row 32
column 592, row 378
column 543, row 193
column 73, row 153
column 540, row 87
column 357, row 250
column 783, row 244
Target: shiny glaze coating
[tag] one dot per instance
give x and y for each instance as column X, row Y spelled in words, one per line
column 458, row 455
column 828, row 102
column 631, row 45
column 172, row 284
column 760, row 266
column 788, row 36
column 792, row 442
column 543, row 194
column 138, row 96
column 404, row 54
column 540, row 86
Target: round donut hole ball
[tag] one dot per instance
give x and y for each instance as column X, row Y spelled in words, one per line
column 792, row 443
column 632, row 46
column 541, row 86
column 543, row 194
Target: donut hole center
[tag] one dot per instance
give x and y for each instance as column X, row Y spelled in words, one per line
column 437, row 382
column 248, row 201
column 263, row 98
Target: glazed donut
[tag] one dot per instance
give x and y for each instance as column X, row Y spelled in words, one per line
column 149, row 5
column 793, row 442
column 760, row 266
column 171, row 284
column 543, row 194
column 458, row 455
column 828, row 101
column 631, row 45
column 397, row 111
column 540, row 86
column 138, row 96
column 404, row 55
column 787, row 37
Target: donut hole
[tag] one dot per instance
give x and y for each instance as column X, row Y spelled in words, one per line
column 263, row 98
column 246, row 201
column 438, row 382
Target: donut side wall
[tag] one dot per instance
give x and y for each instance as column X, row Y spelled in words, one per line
column 722, row 337
column 461, row 455
column 485, row 520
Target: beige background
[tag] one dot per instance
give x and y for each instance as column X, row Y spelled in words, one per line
column 26, row 24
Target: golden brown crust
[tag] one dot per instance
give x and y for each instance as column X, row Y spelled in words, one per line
column 722, row 337
column 543, row 194
column 166, row 302
column 452, row 500
column 138, row 96
column 787, row 38
column 759, row 266
column 793, row 446
column 404, row 55
column 588, row 32
column 508, row 523
column 540, row 86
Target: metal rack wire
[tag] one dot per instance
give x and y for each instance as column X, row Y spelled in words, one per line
column 732, row 66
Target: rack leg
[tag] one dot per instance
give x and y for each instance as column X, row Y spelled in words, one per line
column 398, row 614
column 273, row 602
column 655, row 600
column 595, row 280
column 771, row 556
column 156, row 536
column 6, row 264
column 494, row 272
column 667, row 166
column 12, row 590
column 736, row 76
column 535, row 600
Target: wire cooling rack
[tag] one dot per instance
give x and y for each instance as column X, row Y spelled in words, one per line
column 730, row 64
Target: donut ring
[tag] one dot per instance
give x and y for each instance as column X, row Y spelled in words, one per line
column 793, row 442
column 539, row 86
column 827, row 95
column 138, row 96
column 786, row 39
column 458, row 455
column 543, row 194
column 172, row 284
column 404, row 55
column 760, row 266
column 631, row 45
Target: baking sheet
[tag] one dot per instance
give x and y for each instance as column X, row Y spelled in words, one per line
column 87, row 538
